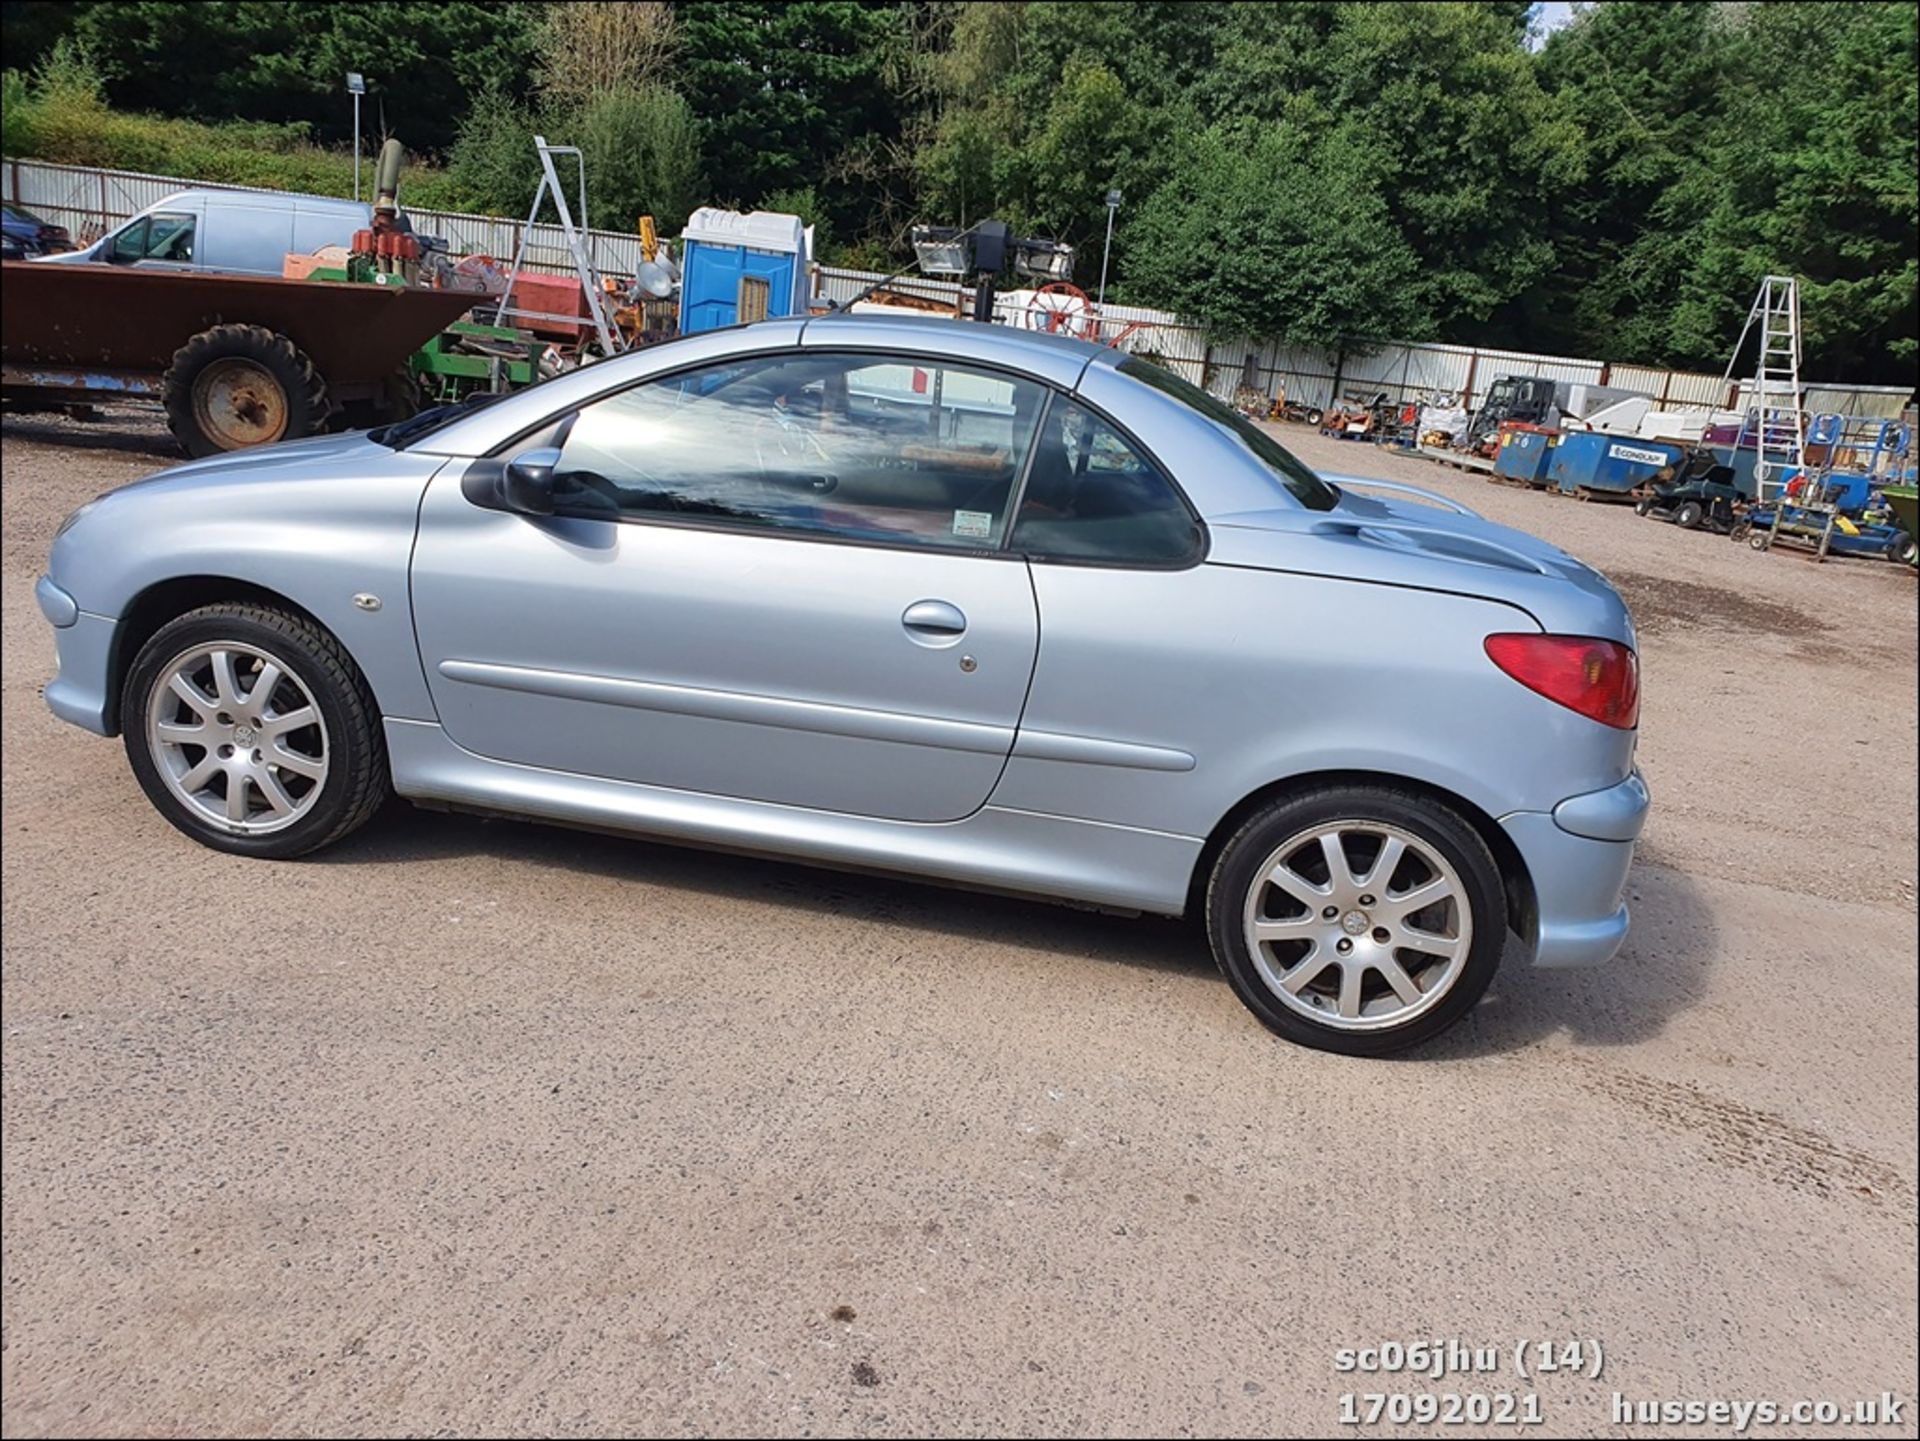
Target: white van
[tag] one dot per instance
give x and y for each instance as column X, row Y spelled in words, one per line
column 247, row 232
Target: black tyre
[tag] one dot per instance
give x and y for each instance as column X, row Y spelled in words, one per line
column 240, row 385
column 1689, row 515
column 399, row 399
column 1902, row 549
column 273, row 772
column 1643, row 505
column 1357, row 919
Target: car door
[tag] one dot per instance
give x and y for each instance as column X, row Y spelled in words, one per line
column 778, row 578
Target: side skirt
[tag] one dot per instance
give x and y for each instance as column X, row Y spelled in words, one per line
column 1048, row 857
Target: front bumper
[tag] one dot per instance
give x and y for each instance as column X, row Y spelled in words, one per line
column 1578, row 857
column 85, row 645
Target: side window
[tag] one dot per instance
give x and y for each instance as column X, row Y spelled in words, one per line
column 892, row 450
column 131, row 242
column 156, row 237
column 1092, row 497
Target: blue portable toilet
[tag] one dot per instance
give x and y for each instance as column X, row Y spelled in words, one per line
column 736, row 268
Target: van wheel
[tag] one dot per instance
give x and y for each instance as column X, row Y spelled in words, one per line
column 240, row 385
column 1357, row 919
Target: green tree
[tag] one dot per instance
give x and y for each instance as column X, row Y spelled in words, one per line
column 1714, row 162
column 1315, row 260
column 1466, row 142
column 277, row 61
column 642, row 151
column 493, row 166
column 789, row 95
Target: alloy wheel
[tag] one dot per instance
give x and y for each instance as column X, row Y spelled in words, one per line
column 1358, row 925
column 235, row 734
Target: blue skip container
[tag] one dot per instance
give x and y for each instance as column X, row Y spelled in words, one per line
column 1588, row 463
column 1523, row 452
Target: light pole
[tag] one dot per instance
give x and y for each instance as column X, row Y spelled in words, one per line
column 356, row 87
column 1113, row 204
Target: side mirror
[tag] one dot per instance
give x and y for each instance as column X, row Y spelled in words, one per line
column 526, row 485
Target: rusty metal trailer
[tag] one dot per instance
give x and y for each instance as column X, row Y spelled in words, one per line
column 236, row 360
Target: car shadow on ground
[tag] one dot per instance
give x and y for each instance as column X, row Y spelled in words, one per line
column 1660, row 972
column 404, row 833
column 142, row 435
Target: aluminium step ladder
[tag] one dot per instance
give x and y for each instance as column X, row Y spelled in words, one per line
column 599, row 304
column 1772, row 420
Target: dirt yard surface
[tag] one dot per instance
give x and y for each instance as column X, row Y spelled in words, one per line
column 471, row 1128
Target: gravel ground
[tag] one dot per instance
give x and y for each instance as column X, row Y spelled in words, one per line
column 470, row 1127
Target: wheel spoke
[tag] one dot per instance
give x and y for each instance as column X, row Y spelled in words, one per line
column 1350, row 977
column 224, row 684
column 261, row 696
column 275, row 793
column 1417, row 899
column 1305, row 969
column 1339, row 873
column 1428, row 943
column 300, row 765
column 1298, row 886
column 1293, row 928
column 196, row 779
column 1402, row 983
column 236, row 796
column 293, row 720
column 195, row 698
column 175, row 734
column 1384, row 865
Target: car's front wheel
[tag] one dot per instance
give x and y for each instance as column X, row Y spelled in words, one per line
column 1357, row 919
column 252, row 730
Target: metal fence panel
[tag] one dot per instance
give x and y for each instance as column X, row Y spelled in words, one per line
column 1496, row 363
column 1884, row 401
column 89, row 201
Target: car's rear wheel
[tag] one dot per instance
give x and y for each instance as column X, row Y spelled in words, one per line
column 1357, row 919
column 252, row 730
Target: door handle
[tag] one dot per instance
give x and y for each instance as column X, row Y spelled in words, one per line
column 934, row 622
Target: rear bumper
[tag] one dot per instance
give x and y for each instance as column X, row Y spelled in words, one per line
column 1578, row 857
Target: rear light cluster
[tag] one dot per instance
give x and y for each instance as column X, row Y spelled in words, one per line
column 1598, row 678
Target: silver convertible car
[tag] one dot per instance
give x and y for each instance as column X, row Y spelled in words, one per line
column 926, row 596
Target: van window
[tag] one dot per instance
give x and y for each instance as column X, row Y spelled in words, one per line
column 156, row 237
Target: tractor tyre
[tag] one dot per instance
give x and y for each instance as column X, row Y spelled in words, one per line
column 1689, row 515
column 236, row 386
